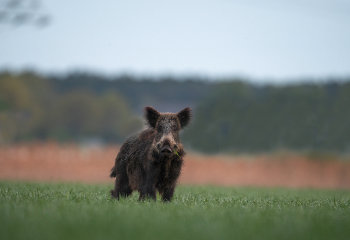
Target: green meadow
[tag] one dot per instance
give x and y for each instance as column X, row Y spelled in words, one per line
column 78, row 211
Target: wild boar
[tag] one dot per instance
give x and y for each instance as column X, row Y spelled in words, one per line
column 152, row 160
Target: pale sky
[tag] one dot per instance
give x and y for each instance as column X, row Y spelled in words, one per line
column 259, row 39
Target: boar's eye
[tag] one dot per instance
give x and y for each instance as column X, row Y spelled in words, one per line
column 160, row 128
column 174, row 128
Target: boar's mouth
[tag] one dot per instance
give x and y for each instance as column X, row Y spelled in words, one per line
column 166, row 149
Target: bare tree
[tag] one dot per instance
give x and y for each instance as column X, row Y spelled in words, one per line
column 23, row 12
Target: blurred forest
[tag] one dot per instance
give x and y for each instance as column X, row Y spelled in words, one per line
column 229, row 116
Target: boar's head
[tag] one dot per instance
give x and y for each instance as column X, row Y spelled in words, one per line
column 167, row 127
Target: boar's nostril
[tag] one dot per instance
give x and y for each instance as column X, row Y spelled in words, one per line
column 166, row 142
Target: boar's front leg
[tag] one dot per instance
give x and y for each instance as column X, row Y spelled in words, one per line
column 149, row 188
column 174, row 173
column 168, row 193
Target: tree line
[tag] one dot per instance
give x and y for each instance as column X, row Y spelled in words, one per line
column 228, row 115
column 242, row 117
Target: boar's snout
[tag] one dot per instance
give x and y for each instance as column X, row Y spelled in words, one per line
column 166, row 147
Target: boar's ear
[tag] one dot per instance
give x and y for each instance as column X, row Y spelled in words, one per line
column 152, row 116
column 184, row 116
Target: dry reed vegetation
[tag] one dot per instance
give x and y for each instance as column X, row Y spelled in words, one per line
column 70, row 162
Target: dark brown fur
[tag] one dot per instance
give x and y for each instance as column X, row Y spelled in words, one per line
column 152, row 160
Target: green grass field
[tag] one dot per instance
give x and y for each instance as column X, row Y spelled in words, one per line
column 77, row 211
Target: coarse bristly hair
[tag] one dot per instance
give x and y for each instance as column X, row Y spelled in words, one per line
column 152, row 160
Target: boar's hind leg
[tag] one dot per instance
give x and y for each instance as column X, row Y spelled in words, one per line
column 122, row 187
